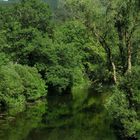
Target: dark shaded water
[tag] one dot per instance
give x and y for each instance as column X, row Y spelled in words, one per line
column 62, row 118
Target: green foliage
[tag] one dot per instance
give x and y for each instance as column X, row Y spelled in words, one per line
column 64, row 69
column 86, row 51
column 131, row 80
column 125, row 118
column 10, row 87
column 3, row 59
column 114, row 25
column 21, row 25
column 60, row 61
column 33, row 13
column 124, row 104
column 19, row 84
column 93, row 40
column 34, row 86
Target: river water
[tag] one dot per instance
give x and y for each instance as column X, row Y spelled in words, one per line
column 67, row 117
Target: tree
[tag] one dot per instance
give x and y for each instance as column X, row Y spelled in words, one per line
column 115, row 26
column 103, row 19
column 21, row 25
column 124, row 105
column 34, row 13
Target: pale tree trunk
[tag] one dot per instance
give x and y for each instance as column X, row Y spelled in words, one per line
column 129, row 59
column 114, row 72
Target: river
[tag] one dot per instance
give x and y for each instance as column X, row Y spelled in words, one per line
column 67, row 117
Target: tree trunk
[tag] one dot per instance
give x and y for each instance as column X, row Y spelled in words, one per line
column 129, row 59
column 111, row 64
column 114, row 73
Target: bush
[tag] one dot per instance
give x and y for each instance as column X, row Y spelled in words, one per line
column 10, row 86
column 34, row 86
column 19, row 84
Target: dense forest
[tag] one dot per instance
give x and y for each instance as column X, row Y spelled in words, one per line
column 76, row 43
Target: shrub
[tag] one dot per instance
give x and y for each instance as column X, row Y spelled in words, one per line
column 34, row 86
column 19, row 84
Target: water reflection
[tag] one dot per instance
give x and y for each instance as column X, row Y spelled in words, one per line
column 63, row 118
column 17, row 128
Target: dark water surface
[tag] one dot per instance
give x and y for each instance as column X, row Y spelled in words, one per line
column 62, row 118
